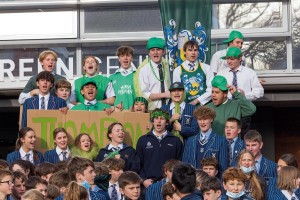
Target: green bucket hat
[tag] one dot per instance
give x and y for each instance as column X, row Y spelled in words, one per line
column 155, row 42
column 86, row 81
column 141, row 99
column 233, row 35
column 234, row 52
column 220, row 82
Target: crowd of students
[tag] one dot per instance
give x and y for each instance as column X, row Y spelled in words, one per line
column 199, row 146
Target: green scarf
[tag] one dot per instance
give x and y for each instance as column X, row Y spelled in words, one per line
column 177, row 111
column 75, row 151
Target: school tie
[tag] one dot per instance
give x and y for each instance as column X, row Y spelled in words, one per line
column 159, row 138
column 116, row 148
column 125, row 72
column 64, row 153
column 230, row 156
column 114, row 193
column 42, row 103
column 257, row 166
column 192, row 66
column 203, row 139
column 234, row 80
column 89, row 103
column 27, row 156
column 162, row 82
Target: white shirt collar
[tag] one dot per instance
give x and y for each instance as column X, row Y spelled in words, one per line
column 172, row 105
column 131, row 69
column 59, row 150
column 163, row 135
column 47, row 96
column 23, row 153
column 110, row 146
column 93, row 102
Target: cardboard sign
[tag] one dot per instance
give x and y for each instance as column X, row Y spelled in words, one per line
column 93, row 123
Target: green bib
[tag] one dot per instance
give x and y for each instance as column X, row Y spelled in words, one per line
column 99, row 106
column 102, row 83
column 124, row 89
column 194, row 82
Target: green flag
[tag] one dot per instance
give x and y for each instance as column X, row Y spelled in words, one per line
column 184, row 20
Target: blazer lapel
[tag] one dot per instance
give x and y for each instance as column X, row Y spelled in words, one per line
column 210, row 142
column 51, row 103
column 35, row 102
column 263, row 166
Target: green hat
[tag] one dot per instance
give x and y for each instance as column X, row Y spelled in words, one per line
column 234, row 52
column 176, row 85
column 158, row 112
column 141, row 99
column 220, row 82
column 155, row 42
column 87, row 81
column 233, row 35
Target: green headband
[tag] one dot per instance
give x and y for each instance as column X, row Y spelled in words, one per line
column 160, row 113
column 141, row 99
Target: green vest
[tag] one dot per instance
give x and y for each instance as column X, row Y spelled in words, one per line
column 102, row 83
column 99, row 106
column 194, row 82
column 124, row 89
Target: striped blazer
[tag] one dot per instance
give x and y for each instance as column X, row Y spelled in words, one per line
column 93, row 196
column 54, row 103
column 15, row 155
column 238, row 147
column 154, row 191
column 268, row 169
column 216, row 147
column 52, row 157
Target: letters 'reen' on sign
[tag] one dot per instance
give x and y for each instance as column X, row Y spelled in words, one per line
column 93, row 123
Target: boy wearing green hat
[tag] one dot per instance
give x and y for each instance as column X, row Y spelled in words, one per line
column 225, row 108
column 243, row 78
column 195, row 76
column 235, row 39
column 152, row 78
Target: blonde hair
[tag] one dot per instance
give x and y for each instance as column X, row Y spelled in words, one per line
column 33, row 195
column 75, row 192
column 287, row 177
column 45, row 53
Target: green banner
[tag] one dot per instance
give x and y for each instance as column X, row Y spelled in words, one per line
column 184, row 20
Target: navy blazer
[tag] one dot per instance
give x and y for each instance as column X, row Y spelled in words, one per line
column 15, row 155
column 52, row 157
column 154, row 190
column 54, row 103
column 268, row 169
column 216, row 147
column 189, row 125
column 238, row 147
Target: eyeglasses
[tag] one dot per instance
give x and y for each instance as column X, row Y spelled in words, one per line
column 8, row 182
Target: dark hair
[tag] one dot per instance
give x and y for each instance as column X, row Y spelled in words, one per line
column 114, row 163
column 110, row 128
column 184, row 178
column 211, row 183
column 33, row 181
column 253, row 136
column 25, row 165
column 3, row 164
column 289, row 159
column 75, row 191
column 170, row 164
column 129, row 177
column 77, row 140
column 78, row 165
column 45, row 75
column 210, row 161
column 237, row 121
column 124, row 50
column 45, row 168
column 167, row 190
column 52, row 192
column 60, row 179
column 101, row 169
column 62, row 165
column 19, row 175
column 190, row 43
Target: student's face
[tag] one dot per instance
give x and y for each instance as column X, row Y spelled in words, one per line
column 42, row 188
column 204, row 124
column 210, row 170
column 132, row 191
column 90, row 66
column 246, row 160
column 139, row 107
column 48, row 64
column 28, row 142
column 61, row 140
column 231, row 130
column 237, row 42
column 191, row 53
column 115, row 174
column 89, row 91
column 117, row 135
column 6, row 188
column 63, row 93
column 159, row 124
column 156, row 55
column 218, row 97
column 234, row 186
column 85, row 143
column 125, row 61
column 281, row 164
column 88, row 175
column 176, row 95
column 211, row 195
column 19, row 188
column 44, row 86
column 233, row 63
column 254, row 147
column 47, row 177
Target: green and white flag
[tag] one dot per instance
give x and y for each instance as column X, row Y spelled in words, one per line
column 185, row 20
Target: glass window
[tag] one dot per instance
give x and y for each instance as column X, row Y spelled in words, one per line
column 296, row 33
column 38, row 24
column 122, row 19
column 247, row 15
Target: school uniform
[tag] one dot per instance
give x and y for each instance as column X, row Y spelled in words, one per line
column 238, row 146
column 215, row 146
column 19, row 155
column 153, row 191
column 101, row 191
column 192, row 196
column 93, row 196
column 266, row 168
column 188, row 122
column 56, row 155
column 127, row 153
column 244, row 197
column 91, row 106
column 53, row 103
column 278, row 194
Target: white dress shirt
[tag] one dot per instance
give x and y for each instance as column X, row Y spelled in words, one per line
column 60, row 154
column 172, row 107
column 110, row 188
column 23, row 154
column 46, row 99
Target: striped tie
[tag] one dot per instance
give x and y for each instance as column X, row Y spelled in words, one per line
column 114, row 193
column 42, row 103
column 64, row 153
column 27, row 156
column 234, row 80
